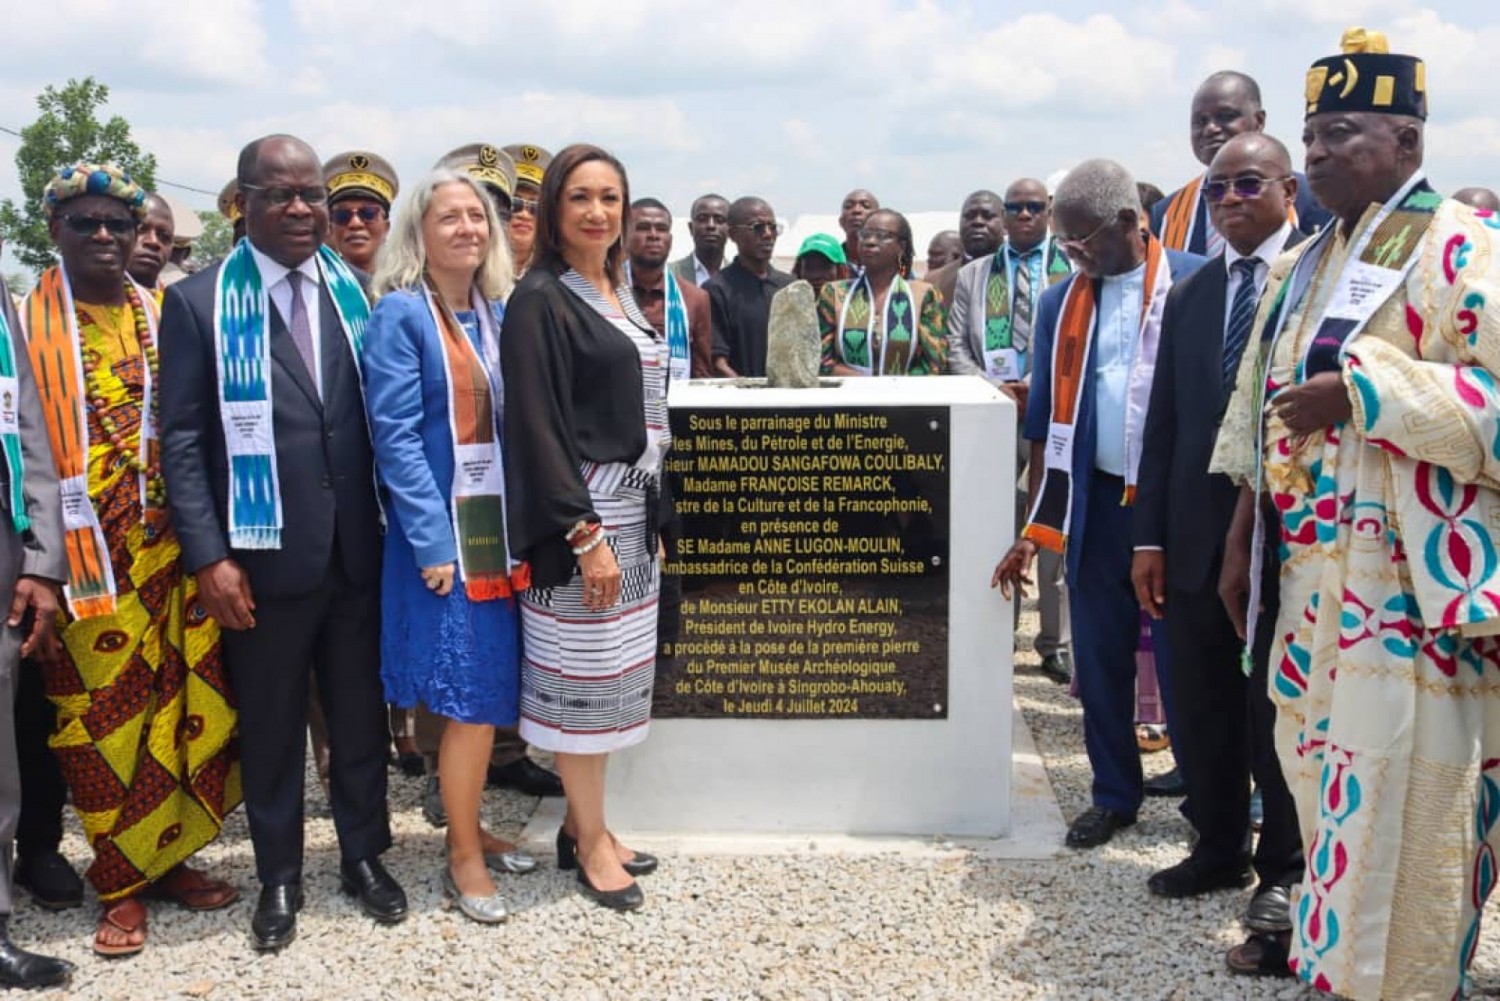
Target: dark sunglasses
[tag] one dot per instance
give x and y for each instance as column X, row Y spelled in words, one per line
column 760, row 228
column 367, row 213
column 519, row 205
column 1016, row 208
column 1245, row 186
column 88, row 225
column 281, row 196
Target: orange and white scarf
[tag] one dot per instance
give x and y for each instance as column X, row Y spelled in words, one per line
column 1072, row 354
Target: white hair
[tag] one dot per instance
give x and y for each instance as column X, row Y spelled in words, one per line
column 402, row 262
column 1099, row 189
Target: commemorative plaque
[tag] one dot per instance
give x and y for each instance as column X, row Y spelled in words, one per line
column 814, row 561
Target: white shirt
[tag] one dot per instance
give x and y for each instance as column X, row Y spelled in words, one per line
column 1267, row 252
column 1116, row 331
column 700, row 273
column 274, row 277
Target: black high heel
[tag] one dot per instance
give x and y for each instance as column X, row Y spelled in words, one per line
column 640, row 863
column 631, row 898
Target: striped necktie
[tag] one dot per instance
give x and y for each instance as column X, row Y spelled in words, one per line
column 1241, row 317
column 1020, row 304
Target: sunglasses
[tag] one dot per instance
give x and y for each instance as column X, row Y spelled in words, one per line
column 1016, row 208
column 1245, row 186
column 761, row 228
column 366, row 213
column 88, row 225
column 282, row 196
column 527, row 205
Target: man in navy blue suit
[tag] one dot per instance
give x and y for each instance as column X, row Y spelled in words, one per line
column 1093, row 355
column 1225, row 105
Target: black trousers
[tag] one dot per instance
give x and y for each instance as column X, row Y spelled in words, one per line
column 44, row 792
column 1223, row 736
column 331, row 635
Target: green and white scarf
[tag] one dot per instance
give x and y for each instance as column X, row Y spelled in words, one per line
column 10, row 425
column 1003, row 358
column 897, row 329
column 242, row 349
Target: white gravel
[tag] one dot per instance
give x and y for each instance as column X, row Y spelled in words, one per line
column 1081, row 926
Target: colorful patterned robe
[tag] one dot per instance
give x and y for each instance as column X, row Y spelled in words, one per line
column 1385, row 668
column 929, row 356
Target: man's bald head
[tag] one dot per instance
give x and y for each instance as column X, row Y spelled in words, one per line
column 1250, row 189
column 1479, row 198
column 1263, row 148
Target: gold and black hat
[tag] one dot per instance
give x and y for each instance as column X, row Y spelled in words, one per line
column 361, row 173
column 489, row 165
column 227, row 208
column 1367, row 77
column 531, row 162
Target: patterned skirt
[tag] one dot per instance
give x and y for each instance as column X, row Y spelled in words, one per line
column 586, row 676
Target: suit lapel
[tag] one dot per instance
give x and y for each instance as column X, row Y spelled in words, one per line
column 335, row 346
column 284, row 353
column 1209, row 366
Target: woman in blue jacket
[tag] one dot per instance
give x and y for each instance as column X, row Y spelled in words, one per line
column 449, row 634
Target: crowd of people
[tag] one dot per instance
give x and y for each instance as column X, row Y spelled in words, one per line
column 396, row 476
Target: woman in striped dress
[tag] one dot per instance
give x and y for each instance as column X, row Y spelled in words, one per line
column 585, row 432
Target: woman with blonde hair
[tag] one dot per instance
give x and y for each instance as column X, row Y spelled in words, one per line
column 449, row 633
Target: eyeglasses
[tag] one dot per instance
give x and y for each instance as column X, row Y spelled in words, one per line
column 528, row 205
column 878, row 235
column 88, row 225
column 366, row 213
column 1014, row 209
column 280, row 196
column 1084, row 241
column 761, row 228
column 1245, row 186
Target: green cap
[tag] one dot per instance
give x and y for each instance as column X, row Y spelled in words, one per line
column 822, row 243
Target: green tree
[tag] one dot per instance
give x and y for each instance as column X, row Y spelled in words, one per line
column 68, row 130
column 217, row 239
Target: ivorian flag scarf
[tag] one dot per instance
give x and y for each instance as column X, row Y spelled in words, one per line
column 10, row 426
column 242, row 350
column 51, row 321
column 1072, row 354
column 477, row 494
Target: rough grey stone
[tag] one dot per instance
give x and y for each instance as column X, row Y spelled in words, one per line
column 794, row 346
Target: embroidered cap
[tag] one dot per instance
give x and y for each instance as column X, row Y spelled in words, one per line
column 531, row 162
column 362, row 174
column 1366, row 76
column 95, row 179
column 489, row 165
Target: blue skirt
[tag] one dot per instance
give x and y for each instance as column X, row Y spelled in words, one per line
column 458, row 658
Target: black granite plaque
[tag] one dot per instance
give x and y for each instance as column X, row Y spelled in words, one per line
column 814, row 562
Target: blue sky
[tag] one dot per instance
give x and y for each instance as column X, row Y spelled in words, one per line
column 794, row 100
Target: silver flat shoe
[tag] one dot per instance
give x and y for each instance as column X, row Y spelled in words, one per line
column 517, row 862
column 485, row 910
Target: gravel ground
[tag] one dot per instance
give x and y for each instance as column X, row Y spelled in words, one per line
column 1081, row 925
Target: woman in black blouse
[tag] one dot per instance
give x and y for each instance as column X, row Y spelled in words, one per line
column 585, row 432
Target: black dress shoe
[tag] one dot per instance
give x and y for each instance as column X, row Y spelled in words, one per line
column 1095, row 826
column 639, row 864
column 1193, row 877
column 28, row 970
column 275, row 921
column 1168, row 784
column 1270, row 910
column 1058, row 667
column 380, row 896
column 631, row 898
column 50, row 880
column 525, row 776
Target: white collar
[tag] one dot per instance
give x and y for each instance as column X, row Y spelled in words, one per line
column 1267, row 251
column 271, row 272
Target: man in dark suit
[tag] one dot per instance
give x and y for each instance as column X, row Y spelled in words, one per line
column 1225, row 105
column 307, row 601
column 1223, row 725
column 1082, row 494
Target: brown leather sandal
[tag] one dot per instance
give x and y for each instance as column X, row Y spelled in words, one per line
column 192, row 889
column 128, row 917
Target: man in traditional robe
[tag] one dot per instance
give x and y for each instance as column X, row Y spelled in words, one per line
column 1365, row 424
column 1093, row 354
column 1225, row 104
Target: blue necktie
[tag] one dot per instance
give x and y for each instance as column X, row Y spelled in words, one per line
column 1241, row 317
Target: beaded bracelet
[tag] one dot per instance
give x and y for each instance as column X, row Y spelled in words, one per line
column 590, row 545
column 582, row 530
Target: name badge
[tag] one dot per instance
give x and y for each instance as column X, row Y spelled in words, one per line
column 10, row 405
column 1003, row 364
